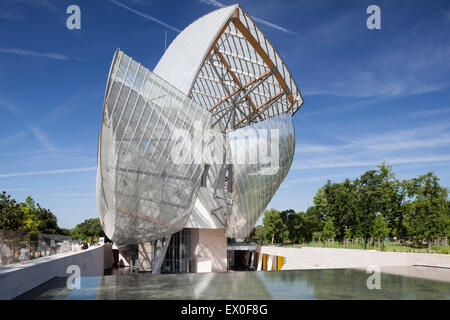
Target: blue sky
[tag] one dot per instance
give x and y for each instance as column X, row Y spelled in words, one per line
column 370, row 95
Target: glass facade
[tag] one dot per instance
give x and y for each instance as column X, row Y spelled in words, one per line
column 257, row 179
column 204, row 141
column 178, row 255
column 144, row 192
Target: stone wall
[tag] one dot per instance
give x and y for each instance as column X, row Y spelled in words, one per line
column 328, row 258
column 19, row 278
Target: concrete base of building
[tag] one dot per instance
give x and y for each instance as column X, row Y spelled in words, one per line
column 209, row 250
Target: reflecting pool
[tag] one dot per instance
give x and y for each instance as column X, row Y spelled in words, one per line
column 261, row 285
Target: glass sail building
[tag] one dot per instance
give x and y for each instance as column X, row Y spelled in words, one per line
column 199, row 145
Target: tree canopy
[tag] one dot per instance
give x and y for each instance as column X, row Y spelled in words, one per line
column 26, row 217
column 89, row 230
column 377, row 204
column 30, row 218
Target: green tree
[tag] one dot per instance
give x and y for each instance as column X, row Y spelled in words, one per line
column 89, row 230
column 256, row 235
column 30, row 221
column 313, row 220
column 342, row 206
column 399, row 210
column 428, row 214
column 328, row 230
column 348, row 232
column 48, row 223
column 258, row 232
column 376, row 192
column 294, row 225
column 11, row 215
column 37, row 219
column 380, row 228
column 274, row 226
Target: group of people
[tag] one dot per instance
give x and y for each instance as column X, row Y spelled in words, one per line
column 24, row 254
column 78, row 246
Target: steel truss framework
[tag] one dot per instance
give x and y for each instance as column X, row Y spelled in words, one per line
column 243, row 80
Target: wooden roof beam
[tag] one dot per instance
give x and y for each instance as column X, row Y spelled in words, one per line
column 275, row 97
column 239, row 89
column 255, row 44
column 233, row 75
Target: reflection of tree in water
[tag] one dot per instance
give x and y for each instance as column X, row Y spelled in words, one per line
column 352, row 284
column 289, row 284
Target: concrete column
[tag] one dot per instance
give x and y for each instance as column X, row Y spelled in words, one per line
column 252, row 258
column 160, row 253
column 270, row 262
column 260, row 263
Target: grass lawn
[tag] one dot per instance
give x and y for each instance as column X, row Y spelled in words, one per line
column 392, row 247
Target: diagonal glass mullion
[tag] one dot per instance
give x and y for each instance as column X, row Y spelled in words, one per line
column 126, row 101
column 134, row 108
column 144, row 131
column 121, row 85
column 162, row 132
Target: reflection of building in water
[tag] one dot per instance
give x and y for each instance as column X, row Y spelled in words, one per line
column 289, row 284
column 184, row 286
column 199, row 144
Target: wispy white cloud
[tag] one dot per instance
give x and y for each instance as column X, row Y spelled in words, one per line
column 23, row 52
column 423, row 144
column 419, row 137
column 33, row 173
column 12, row 138
column 218, row 4
column 43, row 139
column 345, row 162
column 446, row 12
column 146, row 16
column 39, row 135
column 322, row 178
column 35, row 189
column 412, row 60
column 11, row 17
column 273, row 25
column 315, row 148
column 432, row 112
column 38, row 3
column 213, row 3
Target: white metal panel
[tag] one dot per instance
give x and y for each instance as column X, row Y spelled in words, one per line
column 181, row 61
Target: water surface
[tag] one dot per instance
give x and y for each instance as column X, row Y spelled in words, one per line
column 261, row 285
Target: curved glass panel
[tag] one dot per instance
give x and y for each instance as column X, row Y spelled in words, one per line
column 147, row 178
column 261, row 154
